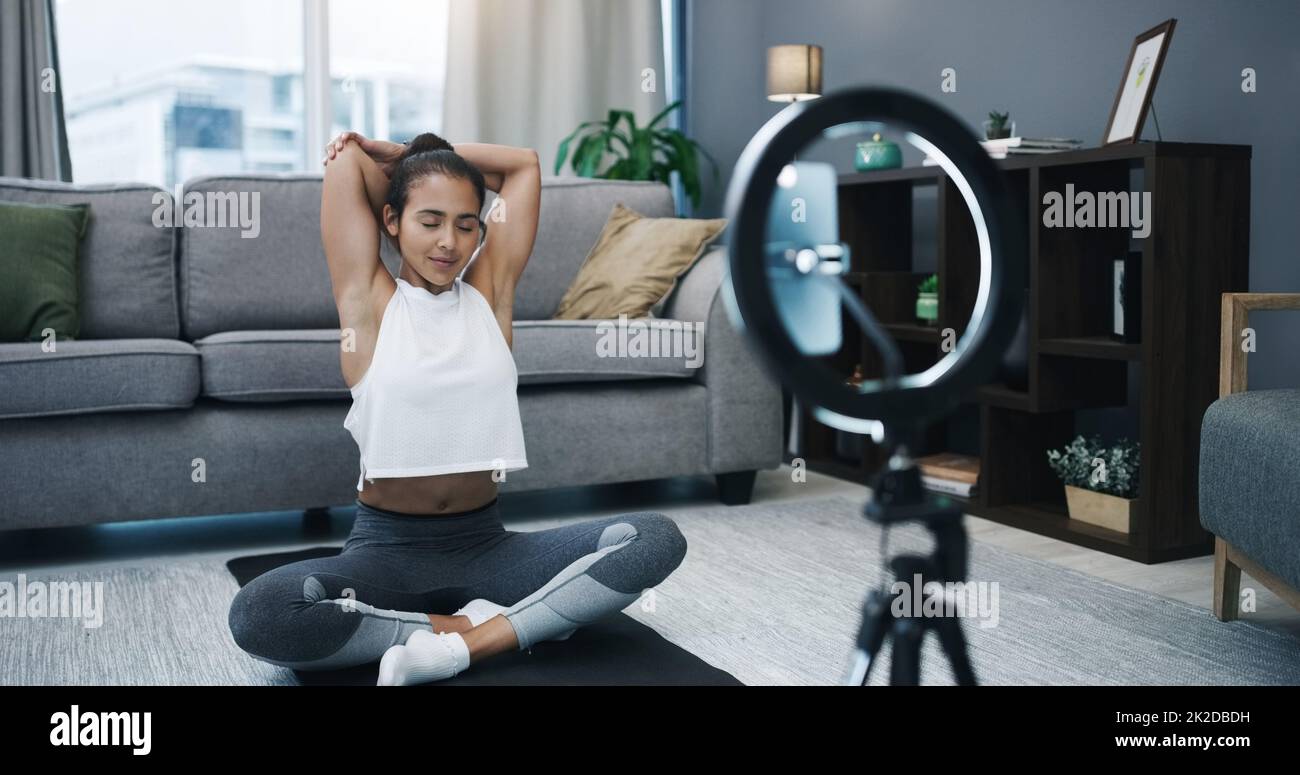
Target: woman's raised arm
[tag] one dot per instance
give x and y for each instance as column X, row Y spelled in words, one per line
column 496, row 162
column 517, row 175
column 353, row 188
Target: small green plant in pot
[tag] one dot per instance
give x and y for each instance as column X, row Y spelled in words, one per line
column 999, row 126
column 640, row 153
column 927, row 300
column 1101, row 482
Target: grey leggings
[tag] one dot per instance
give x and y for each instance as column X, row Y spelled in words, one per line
column 335, row 612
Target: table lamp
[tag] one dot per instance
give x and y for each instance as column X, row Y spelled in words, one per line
column 794, row 72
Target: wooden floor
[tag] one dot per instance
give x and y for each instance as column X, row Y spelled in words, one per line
column 230, row 536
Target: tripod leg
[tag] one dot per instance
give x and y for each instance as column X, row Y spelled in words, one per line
column 954, row 645
column 906, row 662
column 871, row 635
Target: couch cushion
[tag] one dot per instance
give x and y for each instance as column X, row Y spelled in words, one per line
column 126, row 270
column 100, row 375
column 1250, row 477
column 598, row 350
column 279, row 279
column 304, row 364
column 272, row 365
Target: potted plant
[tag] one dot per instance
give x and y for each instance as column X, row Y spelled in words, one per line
column 1101, row 483
column 927, row 300
column 999, row 126
column 640, row 153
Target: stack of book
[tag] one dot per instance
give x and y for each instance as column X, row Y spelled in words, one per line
column 1016, row 146
column 1012, row 146
column 950, row 473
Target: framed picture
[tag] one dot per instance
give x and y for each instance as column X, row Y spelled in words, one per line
column 1139, row 83
column 1126, row 298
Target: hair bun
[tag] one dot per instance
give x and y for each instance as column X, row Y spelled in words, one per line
column 427, row 141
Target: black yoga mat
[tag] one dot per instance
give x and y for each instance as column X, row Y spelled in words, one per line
column 615, row 651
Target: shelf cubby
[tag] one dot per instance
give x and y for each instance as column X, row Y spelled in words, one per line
column 1012, row 469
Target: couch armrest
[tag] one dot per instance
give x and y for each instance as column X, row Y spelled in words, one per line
column 745, row 407
column 1234, row 315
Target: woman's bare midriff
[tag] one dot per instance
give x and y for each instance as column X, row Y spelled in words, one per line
column 431, row 495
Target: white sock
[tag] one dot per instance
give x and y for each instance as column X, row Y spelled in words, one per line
column 480, row 610
column 425, row 657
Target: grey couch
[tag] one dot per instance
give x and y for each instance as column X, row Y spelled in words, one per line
column 206, row 378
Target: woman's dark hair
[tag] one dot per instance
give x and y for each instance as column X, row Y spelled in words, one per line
column 426, row 155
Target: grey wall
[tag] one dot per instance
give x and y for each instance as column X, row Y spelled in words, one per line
column 1055, row 65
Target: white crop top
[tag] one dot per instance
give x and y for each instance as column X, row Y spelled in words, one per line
column 439, row 396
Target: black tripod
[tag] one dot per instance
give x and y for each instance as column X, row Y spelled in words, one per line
column 898, row 497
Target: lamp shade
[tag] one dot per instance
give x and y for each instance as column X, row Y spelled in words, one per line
column 794, row 72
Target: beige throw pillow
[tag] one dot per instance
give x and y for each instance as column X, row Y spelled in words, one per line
column 635, row 263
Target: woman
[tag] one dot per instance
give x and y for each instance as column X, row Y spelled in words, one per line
column 429, row 581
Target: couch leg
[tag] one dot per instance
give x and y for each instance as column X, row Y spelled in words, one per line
column 1227, row 583
column 736, row 487
column 316, row 520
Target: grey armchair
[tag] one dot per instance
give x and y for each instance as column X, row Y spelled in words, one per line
column 1249, row 469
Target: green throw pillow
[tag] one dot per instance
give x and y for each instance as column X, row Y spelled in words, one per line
column 38, row 269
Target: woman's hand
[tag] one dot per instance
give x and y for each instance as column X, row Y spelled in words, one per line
column 383, row 152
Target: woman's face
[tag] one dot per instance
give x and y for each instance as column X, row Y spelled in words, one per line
column 440, row 221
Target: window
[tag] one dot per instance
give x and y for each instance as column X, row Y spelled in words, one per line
column 160, row 91
column 388, row 61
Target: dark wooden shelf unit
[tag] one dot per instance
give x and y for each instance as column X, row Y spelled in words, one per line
column 1197, row 249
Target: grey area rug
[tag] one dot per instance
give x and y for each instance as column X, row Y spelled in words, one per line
column 768, row 592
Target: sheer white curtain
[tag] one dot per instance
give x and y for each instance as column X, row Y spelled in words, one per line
column 527, row 72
